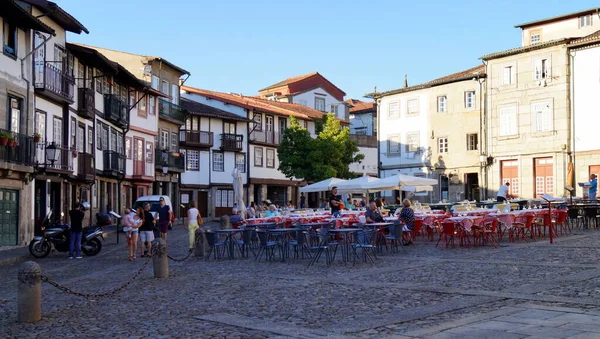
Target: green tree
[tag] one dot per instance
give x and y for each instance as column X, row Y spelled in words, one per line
column 326, row 156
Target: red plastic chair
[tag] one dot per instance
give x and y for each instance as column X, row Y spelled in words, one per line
column 523, row 227
column 448, row 233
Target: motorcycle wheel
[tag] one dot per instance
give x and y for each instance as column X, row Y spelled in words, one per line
column 39, row 248
column 91, row 247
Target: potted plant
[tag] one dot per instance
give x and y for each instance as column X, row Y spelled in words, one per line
column 36, row 137
column 4, row 138
column 12, row 140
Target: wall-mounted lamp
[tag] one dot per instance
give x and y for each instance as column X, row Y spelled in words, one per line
column 432, row 135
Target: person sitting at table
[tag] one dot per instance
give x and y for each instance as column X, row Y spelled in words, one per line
column 378, row 202
column 363, row 202
column 251, row 210
column 398, row 200
column 373, row 214
column 272, row 212
column 236, row 217
column 323, row 203
column 407, row 217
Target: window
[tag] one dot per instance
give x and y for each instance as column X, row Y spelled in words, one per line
column 228, row 127
column 120, row 143
column 142, row 104
column 218, row 162
column 81, row 138
column 57, row 131
column 320, row 104
column 192, row 123
column 542, row 69
column 149, row 151
column 155, row 82
column 89, row 76
column 175, row 94
column 258, row 157
column 257, row 121
column 535, row 36
column 508, row 121
column 80, row 75
column 73, row 133
column 90, row 139
column 104, row 138
column 174, row 142
column 412, row 142
column 128, row 147
column 470, row 99
column 98, row 81
column 10, row 39
column 412, row 106
column 40, row 124
column 585, row 20
column 164, row 139
column 15, row 114
column 164, row 87
column 394, row 109
column 442, row 145
column 541, row 115
column 131, row 98
column 507, row 75
column 442, row 101
column 105, row 85
column 394, row 144
column 282, row 125
column 472, row 142
column 270, row 157
column 152, row 105
column 113, row 140
column 192, row 160
column 240, row 162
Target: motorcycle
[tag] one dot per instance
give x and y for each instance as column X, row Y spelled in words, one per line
column 56, row 236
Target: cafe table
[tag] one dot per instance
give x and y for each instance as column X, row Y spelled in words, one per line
column 230, row 232
column 281, row 236
column 346, row 240
column 380, row 227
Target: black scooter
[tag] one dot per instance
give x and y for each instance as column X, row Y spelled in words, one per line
column 56, row 235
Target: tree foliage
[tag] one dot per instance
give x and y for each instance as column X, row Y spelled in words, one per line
column 328, row 155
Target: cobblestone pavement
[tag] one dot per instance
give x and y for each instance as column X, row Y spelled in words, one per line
column 529, row 289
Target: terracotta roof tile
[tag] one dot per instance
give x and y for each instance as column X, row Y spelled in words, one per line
column 459, row 76
column 558, row 18
column 523, row 49
column 251, row 102
column 290, row 80
column 359, row 106
column 196, row 108
column 588, row 38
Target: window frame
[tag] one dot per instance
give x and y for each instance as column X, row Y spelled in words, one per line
column 410, row 147
column 512, row 127
column 583, row 22
column 189, row 166
column 442, row 103
column 442, row 145
column 222, row 161
column 241, row 168
column 10, row 51
column 389, row 144
column 142, row 105
column 545, row 123
column 472, row 145
column 318, row 100
column 256, row 157
column 12, row 124
column 149, row 151
column 416, row 107
column 271, row 151
column 473, row 98
column 257, row 123
column 128, row 148
column 396, row 110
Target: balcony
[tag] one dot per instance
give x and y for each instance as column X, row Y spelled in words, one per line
column 63, row 163
column 114, row 164
column 196, row 139
column 174, row 161
column 143, row 171
column 269, row 138
column 22, row 153
column 364, row 140
column 231, row 142
column 171, row 112
column 115, row 110
column 51, row 81
column 86, row 103
column 86, row 170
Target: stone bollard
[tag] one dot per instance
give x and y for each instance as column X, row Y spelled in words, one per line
column 225, row 222
column 29, row 297
column 160, row 261
column 200, row 242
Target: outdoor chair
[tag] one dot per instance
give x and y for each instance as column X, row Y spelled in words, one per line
column 448, row 233
column 319, row 243
column 215, row 246
column 575, row 219
column 395, row 237
column 299, row 243
column 245, row 244
column 365, row 242
column 266, row 246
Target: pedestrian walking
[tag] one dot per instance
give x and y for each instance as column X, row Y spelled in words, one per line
column 147, row 231
column 76, row 215
column 194, row 221
column 127, row 227
column 164, row 218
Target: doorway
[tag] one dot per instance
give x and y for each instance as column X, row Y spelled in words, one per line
column 202, row 203
column 472, row 186
column 9, row 217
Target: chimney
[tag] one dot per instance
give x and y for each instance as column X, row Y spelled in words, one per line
column 405, row 81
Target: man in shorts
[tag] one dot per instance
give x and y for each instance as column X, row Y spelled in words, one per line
column 147, row 231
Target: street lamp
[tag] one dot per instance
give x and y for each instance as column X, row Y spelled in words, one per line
column 52, row 153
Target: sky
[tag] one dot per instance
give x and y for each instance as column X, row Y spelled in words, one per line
column 243, row 46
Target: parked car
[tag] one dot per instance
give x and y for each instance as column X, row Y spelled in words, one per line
column 154, row 202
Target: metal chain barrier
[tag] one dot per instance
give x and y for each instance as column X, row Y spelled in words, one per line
column 49, row 280
column 197, row 240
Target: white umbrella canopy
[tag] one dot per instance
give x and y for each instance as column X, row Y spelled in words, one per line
column 401, row 182
column 238, row 191
column 321, row 186
column 358, row 185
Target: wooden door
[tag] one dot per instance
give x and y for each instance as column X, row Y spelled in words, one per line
column 138, row 156
column 9, row 217
column 594, row 169
column 203, row 203
column 510, row 173
column 544, row 176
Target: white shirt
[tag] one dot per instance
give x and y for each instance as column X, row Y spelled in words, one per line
column 502, row 191
column 193, row 215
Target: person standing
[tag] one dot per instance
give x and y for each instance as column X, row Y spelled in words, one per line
column 594, row 188
column 302, row 201
column 128, row 227
column 335, row 202
column 194, row 221
column 147, row 231
column 164, row 218
column 251, row 210
column 137, row 219
column 76, row 215
column 503, row 192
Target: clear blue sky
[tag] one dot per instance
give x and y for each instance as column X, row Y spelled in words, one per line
column 242, row 45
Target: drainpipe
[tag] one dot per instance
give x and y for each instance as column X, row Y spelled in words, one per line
column 571, row 116
column 485, row 130
column 27, row 99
